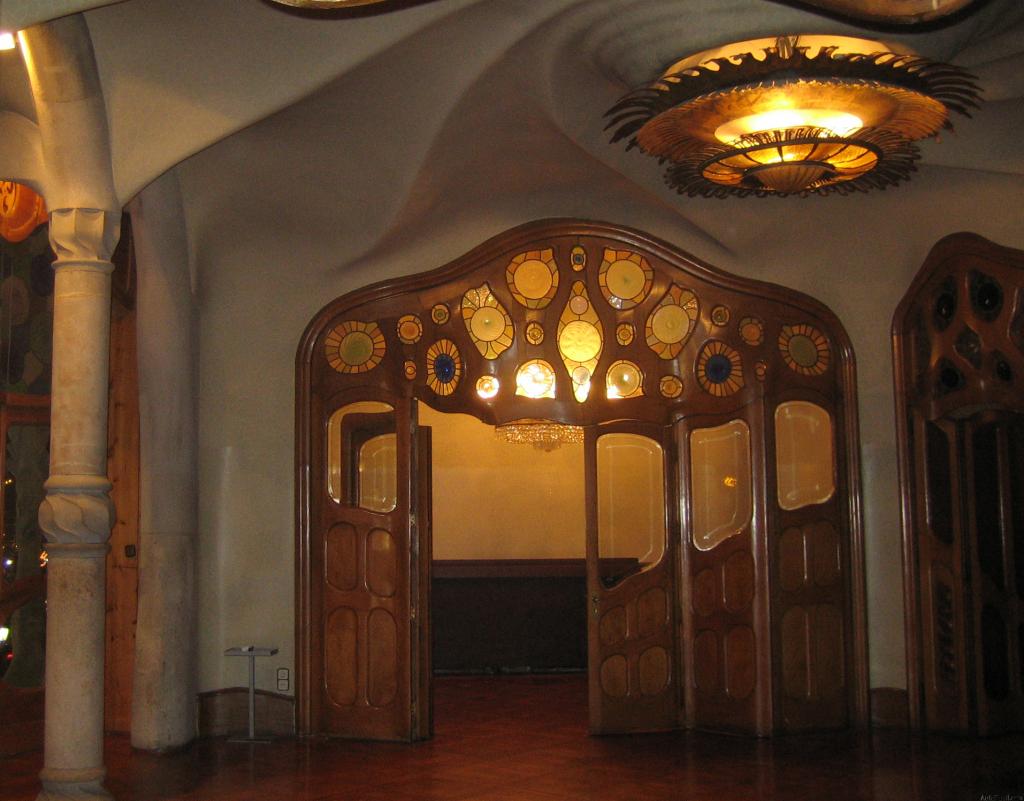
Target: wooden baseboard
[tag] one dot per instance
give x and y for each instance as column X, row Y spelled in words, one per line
column 223, row 712
column 889, row 708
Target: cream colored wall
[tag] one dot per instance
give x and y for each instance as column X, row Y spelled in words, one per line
column 856, row 254
column 496, row 500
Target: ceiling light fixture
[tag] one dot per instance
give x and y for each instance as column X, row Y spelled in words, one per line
column 326, row 4
column 792, row 115
column 7, row 41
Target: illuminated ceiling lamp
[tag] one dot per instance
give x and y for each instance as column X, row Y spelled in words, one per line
column 792, row 115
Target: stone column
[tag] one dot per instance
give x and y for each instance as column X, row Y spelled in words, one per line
column 164, row 684
column 77, row 513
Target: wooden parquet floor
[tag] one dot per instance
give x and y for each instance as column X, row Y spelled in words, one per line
column 524, row 739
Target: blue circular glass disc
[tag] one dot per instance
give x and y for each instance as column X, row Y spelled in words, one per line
column 718, row 368
column 444, row 368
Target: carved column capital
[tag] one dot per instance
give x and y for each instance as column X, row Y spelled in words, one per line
column 77, row 510
column 84, row 237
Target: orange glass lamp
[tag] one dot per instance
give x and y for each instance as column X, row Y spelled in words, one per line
column 792, row 115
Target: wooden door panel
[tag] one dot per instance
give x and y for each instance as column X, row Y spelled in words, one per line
column 633, row 667
column 363, row 599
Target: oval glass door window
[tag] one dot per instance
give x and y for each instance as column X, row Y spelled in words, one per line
column 720, row 477
column 630, row 505
column 804, row 458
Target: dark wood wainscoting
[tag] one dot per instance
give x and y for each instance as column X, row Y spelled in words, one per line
column 511, row 615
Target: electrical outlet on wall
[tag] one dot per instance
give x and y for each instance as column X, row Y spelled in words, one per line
column 283, row 682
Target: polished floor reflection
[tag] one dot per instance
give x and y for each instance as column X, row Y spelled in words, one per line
column 524, row 739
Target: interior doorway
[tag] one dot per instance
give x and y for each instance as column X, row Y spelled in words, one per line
column 508, row 588
column 717, row 416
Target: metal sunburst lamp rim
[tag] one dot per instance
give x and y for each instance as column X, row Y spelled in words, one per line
column 662, row 118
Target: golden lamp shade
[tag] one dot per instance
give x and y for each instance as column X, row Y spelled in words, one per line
column 794, row 115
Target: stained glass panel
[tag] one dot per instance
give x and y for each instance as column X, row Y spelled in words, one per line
column 487, row 322
column 624, row 380
column 533, row 278
column 535, row 379
column 625, row 278
column 444, row 367
column 355, row 346
column 719, row 369
column 580, row 340
column 804, row 349
column 672, row 321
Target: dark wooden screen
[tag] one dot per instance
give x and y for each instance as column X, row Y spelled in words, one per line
column 958, row 339
column 634, row 332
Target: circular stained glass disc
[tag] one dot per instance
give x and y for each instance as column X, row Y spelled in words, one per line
column 670, row 386
column 579, row 341
column 670, row 324
column 534, row 333
column 579, row 304
column 487, row 324
column 624, row 333
column 626, row 279
column 532, row 279
column 623, row 379
column 803, row 350
column 410, row 329
column 487, row 386
column 356, row 348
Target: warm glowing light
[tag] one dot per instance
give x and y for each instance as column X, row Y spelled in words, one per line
column 8, row 482
column 536, row 379
column 831, row 122
column 8, row 562
column 4, row 633
column 6, row 41
column 730, row 481
column 44, row 558
column 543, row 434
column 487, row 386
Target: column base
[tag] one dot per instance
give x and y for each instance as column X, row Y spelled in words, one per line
column 69, row 784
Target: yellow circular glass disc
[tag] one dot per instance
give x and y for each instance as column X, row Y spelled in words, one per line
column 532, row 279
column 487, row 386
column 580, row 341
column 623, row 379
column 487, row 324
column 802, row 350
column 535, row 379
column 624, row 333
column 625, row 279
column 670, row 324
column 356, row 348
column 670, row 386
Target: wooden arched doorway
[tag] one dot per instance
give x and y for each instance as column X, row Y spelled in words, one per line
column 751, row 616
column 958, row 341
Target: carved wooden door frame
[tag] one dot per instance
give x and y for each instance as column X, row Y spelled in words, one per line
column 418, row 342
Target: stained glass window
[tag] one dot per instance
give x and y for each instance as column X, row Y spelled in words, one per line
column 535, row 379
column 804, row 349
column 625, row 278
column 580, row 340
column 533, row 278
column 719, row 369
column 487, row 322
column 444, row 367
column 355, row 347
column 624, row 380
column 672, row 321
